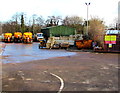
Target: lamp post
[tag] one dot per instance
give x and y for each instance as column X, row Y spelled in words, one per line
column 119, row 15
column 87, row 17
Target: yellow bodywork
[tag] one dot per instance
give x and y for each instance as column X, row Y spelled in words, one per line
column 27, row 34
column 6, row 35
column 27, row 37
column 17, row 34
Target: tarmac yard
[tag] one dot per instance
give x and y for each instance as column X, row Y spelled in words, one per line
column 83, row 71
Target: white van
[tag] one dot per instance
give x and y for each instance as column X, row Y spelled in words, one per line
column 39, row 36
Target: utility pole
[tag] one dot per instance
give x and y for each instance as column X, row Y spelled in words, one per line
column 87, row 17
column 119, row 15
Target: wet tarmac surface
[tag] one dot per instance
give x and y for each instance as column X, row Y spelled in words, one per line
column 81, row 71
column 19, row 52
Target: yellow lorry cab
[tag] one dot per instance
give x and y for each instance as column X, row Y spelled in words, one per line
column 27, row 37
column 17, row 34
column 27, row 34
column 7, row 37
column 17, row 37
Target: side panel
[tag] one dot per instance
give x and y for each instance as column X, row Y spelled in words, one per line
column 62, row 31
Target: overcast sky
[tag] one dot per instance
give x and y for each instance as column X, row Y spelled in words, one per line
column 104, row 9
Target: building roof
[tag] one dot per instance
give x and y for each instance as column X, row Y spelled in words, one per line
column 57, row 26
column 113, row 32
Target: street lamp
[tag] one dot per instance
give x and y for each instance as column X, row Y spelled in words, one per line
column 87, row 18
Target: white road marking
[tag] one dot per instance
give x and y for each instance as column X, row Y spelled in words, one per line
column 61, row 80
column 11, row 79
column 20, row 73
column 2, row 48
column 28, row 79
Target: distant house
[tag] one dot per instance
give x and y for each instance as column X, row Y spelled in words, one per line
column 58, row 31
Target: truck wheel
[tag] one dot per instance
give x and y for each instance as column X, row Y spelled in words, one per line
column 39, row 46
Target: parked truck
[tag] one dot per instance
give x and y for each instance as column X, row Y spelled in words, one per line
column 59, row 36
column 27, row 37
column 8, row 37
column 38, row 37
column 60, row 42
column 83, row 44
column 17, row 37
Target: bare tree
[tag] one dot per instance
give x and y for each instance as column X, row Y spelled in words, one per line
column 116, row 24
column 17, row 19
column 12, row 25
column 53, row 20
column 97, row 30
column 9, row 27
column 37, row 23
column 75, row 22
column 40, row 21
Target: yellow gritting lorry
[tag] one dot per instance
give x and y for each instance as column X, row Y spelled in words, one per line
column 17, row 37
column 7, row 37
column 27, row 37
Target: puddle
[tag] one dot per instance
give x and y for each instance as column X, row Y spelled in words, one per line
column 18, row 52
